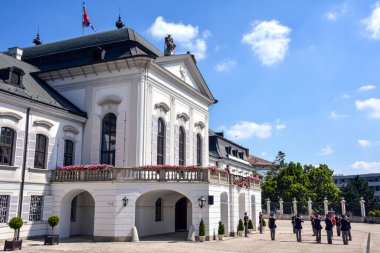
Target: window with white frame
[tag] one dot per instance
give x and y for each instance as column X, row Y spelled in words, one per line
column 6, row 146
column 35, row 211
column 182, row 145
column 4, row 208
column 40, row 151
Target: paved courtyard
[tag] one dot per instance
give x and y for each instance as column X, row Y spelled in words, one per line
column 285, row 242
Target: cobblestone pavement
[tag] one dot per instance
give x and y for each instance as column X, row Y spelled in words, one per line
column 285, row 242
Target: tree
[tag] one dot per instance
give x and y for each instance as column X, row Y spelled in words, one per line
column 358, row 188
column 301, row 182
column 278, row 164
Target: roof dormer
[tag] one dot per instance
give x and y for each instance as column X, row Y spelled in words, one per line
column 12, row 75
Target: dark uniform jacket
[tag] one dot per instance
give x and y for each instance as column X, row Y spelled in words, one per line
column 272, row 223
column 298, row 222
column 329, row 224
column 344, row 225
column 317, row 224
column 338, row 221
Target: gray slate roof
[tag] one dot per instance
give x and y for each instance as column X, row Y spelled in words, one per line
column 218, row 144
column 118, row 44
column 34, row 89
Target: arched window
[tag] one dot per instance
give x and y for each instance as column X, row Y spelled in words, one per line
column 6, row 146
column 161, row 142
column 159, row 209
column 108, row 139
column 199, row 150
column 68, row 155
column 182, row 144
column 40, row 151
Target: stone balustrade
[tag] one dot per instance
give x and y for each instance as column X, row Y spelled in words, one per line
column 153, row 175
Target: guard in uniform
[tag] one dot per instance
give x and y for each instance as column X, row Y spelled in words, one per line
column 317, row 228
column 272, row 226
column 246, row 224
column 344, row 229
column 261, row 222
column 298, row 227
column 329, row 229
column 338, row 224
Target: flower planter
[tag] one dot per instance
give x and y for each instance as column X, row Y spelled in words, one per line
column 12, row 245
column 240, row 233
column 220, row 237
column 250, row 230
column 50, row 240
column 202, row 238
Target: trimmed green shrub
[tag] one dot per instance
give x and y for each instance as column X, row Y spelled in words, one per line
column 16, row 223
column 377, row 213
column 202, row 228
column 250, row 224
column 264, row 222
column 221, row 228
column 240, row 226
column 53, row 221
column 371, row 213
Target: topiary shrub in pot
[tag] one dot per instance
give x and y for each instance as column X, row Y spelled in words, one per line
column 240, row 228
column 51, row 239
column 202, row 231
column 220, row 230
column 15, row 223
column 250, row 226
column 264, row 223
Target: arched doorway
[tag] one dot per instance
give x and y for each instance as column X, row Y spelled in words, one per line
column 77, row 214
column 181, row 215
column 162, row 212
column 224, row 212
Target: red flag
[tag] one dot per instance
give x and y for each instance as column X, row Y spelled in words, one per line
column 86, row 20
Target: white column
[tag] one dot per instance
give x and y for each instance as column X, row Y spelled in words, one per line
column 310, row 206
column 268, row 206
column 326, row 205
column 343, row 204
column 281, row 206
column 362, row 206
column 295, row 205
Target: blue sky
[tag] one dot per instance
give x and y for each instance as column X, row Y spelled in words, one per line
column 298, row 76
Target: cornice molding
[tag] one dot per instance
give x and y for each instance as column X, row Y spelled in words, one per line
column 11, row 115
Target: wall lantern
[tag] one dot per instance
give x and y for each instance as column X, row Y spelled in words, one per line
column 125, row 201
column 201, row 202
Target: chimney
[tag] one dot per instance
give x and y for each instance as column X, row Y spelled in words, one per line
column 15, row 52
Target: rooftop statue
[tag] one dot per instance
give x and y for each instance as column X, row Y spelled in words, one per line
column 169, row 45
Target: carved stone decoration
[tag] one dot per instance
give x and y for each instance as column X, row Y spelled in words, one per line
column 109, row 100
column 71, row 129
column 200, row 125
column 11, row 115
column 162, row 107
column 183, row 72
column 183, row 116
column 169, row 46
column 43, row 123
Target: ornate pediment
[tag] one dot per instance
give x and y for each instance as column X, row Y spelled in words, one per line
column 43, row 123
column 11, row 115
column 70, row 129
column 183, row 116
column 162, row 106
column 109, row 100
column 200, row 125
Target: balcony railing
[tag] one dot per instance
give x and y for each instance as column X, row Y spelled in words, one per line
column 153, row 175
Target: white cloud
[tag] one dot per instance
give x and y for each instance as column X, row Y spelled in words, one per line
column 226, row 65
column 372, row 105
column 368, row 166
column 327, row 150
column 343, row 96
column 186, row 36
column 279, row 125
column 365, row 143
column 247, row 129
column 372, row 23
column 338, row 12
column 269, row 41
column 367, row 87
column 335, row 115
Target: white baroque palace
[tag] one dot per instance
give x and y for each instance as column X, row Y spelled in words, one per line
column 113, row 98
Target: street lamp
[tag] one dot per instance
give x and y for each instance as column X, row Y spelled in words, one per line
column 201, row 202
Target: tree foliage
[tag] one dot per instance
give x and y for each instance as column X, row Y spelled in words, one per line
column 301, row 182
column 358, row 188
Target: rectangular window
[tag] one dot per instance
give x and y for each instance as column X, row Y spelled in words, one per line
column 35, row 212
column 4, row 208
column 68, row 157
column 73, row 212
column 40, row 152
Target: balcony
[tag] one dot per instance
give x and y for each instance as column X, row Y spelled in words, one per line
column 188, row 174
